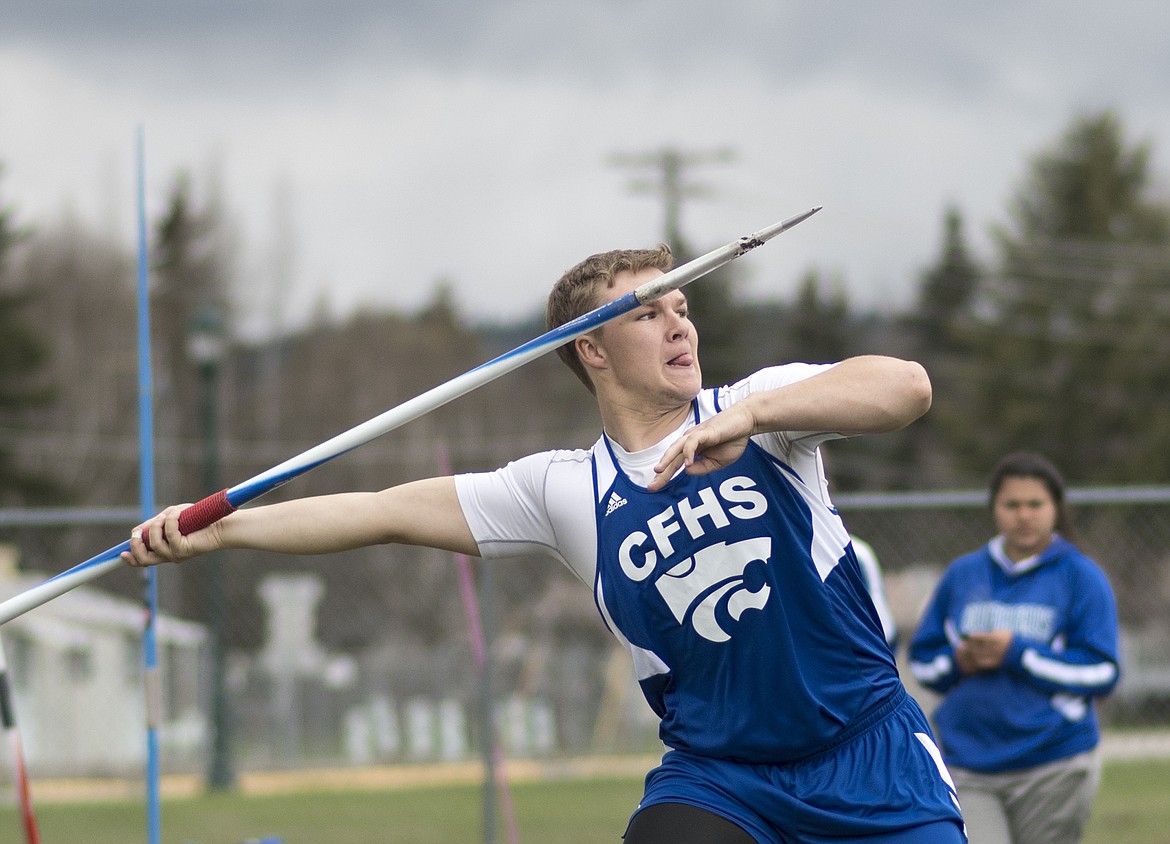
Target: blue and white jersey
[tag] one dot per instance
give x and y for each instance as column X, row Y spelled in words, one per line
column 737, row 593
column 1038, row 707
column 746, row 613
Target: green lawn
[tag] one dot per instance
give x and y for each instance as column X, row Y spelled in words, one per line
column 573, row 812
column 1133, row 808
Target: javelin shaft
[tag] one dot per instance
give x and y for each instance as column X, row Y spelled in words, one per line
column 216, row 506
column 461, row 385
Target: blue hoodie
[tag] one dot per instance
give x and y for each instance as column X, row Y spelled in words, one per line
column 1038, row 706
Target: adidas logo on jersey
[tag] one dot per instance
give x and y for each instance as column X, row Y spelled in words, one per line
column 615, row 501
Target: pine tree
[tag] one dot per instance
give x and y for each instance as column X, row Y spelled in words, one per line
column 939, row 329
column 22, row 355
column 1071, row 339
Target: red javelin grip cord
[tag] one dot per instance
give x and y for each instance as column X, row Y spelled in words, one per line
column 201, row 514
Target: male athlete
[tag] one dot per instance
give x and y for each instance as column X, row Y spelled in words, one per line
column 701, row 521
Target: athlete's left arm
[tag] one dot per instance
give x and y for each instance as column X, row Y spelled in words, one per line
column 868, row 394
column 1084, row 660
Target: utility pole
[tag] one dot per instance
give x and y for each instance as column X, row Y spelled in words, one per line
column 712, row 303
column 670, row 182
column 208, row 346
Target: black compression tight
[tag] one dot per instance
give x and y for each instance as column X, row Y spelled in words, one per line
column 680, row 823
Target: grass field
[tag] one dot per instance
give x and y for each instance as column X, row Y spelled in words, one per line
column 1133, row 808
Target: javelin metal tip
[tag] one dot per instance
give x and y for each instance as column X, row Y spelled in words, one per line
column 751, row 241
column 800, row 218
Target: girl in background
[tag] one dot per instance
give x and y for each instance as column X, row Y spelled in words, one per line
column 1021, row 638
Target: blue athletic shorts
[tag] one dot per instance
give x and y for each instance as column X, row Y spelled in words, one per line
column 883, row 779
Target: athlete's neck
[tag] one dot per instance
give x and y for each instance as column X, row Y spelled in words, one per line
column 637, row 428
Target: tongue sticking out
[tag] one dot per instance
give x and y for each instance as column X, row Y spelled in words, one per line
column 685, row 359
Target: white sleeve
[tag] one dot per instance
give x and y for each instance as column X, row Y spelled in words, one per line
column 773, row 378
column 796, row 448
column 505, row 508
column 542, row 503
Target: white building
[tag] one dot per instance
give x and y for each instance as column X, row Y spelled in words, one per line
column 75, row 667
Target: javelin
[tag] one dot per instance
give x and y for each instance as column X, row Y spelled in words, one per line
column 214, row 507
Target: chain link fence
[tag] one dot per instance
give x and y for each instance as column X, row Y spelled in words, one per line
column 1125, row 529
column 370, row 657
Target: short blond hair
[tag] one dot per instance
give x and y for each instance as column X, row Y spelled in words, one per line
column 576, row 292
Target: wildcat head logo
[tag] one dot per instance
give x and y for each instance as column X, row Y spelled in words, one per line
column 717, row 575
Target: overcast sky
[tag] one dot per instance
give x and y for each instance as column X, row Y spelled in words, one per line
column 395, row 144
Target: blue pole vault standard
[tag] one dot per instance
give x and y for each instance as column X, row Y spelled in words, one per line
column 146, row 484
column 214, row 507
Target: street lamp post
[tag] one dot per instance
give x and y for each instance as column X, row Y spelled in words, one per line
column 207, row 347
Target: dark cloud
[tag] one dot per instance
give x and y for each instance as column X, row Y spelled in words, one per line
column 949, row 49
column 497, row 118
column 603, row 43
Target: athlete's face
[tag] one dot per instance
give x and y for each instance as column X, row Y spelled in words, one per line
column 652, row 351
column 1025, row 513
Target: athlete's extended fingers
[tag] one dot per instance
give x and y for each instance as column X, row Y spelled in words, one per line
column 666, row 469
column 673, row 456
column 710, row 445
column 679, row 453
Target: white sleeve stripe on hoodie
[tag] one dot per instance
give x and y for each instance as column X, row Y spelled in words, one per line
column 1054, row 671
column 928, row 672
